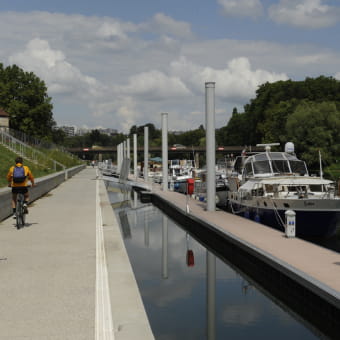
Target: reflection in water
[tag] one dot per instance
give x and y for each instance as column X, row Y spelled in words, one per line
column 146, row 230
column 211, row 285
column 190, row 253
column 124, row 222
column 165, row 247
column 188, row 292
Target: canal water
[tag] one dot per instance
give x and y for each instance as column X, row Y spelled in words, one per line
column 188, row 292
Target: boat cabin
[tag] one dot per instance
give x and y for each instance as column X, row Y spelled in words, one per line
column 268, row 164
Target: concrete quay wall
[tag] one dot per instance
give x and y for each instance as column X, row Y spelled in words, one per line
column 43, row 186
column 312, row 301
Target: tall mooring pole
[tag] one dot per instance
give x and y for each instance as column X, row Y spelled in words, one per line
column 210, row 144
column 135, row 155
column 165, row 151
column 146, row 153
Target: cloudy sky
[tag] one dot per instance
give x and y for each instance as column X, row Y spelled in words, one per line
column 118, row 63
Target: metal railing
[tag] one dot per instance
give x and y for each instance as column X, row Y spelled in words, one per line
column 27, row 151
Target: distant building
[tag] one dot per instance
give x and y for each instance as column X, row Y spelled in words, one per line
column 177, row 133
column 82, row 131
column 108, row 131
column 73, row 131
column 69, row 130
column 4, row 118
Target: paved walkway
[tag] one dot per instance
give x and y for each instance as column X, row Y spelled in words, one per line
column 66, row 275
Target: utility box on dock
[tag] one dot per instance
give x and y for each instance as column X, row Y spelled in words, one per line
column 290, row 223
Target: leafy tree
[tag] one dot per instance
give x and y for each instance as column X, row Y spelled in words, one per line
column 269, row 95
column 58, row 136
column 273, row 126
column 315, row 126
column 234, row 133
column 24, row 96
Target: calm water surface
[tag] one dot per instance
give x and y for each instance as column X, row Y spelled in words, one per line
column 182, row 301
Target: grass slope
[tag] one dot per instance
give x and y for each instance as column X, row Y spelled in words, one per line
column 7, row 158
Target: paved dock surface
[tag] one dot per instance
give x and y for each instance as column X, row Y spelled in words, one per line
column 66, row 275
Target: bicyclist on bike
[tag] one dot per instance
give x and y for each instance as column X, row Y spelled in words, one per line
column 17, row 177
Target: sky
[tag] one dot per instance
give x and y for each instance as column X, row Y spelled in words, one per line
column 119, row 63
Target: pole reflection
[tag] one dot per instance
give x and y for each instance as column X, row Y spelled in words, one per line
column 211, row 295
column 165, row 247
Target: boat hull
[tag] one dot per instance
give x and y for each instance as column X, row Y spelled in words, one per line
column 308, row 223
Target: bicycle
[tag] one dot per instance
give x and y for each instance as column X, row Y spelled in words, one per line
column 20, row 211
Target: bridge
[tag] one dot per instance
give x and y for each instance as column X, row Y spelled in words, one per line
column 173, row 152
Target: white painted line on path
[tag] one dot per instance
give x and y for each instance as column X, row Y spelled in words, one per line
column 103, row 322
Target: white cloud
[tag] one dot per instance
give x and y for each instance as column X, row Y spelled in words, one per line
column 102, row 71
column 163, row 24
column 51, row 66
column 111, row 30
column 235, row 83
column 242, row 8
column 155, row 85
column 312, row 14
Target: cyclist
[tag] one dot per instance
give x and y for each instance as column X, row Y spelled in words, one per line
column 17, row 177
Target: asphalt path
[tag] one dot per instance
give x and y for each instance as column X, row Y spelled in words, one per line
column 47, row 286
column 61, row 274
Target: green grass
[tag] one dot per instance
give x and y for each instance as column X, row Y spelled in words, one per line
column 42, row 169
column 66, row 159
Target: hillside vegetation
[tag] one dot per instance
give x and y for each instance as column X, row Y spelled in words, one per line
column 39, row 170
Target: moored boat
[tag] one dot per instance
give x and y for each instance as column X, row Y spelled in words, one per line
column 263, row 186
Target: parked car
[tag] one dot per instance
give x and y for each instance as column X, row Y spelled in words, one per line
column 178, row 146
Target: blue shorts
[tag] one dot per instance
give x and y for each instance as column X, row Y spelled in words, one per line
column 19, row 190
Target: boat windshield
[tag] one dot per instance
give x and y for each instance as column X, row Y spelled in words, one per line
column 261, row 167
column 298, row 167
column 274, row 163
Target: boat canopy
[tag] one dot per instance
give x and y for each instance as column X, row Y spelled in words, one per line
column 274, row 164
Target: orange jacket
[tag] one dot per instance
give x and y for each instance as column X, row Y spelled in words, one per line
column 28, row 175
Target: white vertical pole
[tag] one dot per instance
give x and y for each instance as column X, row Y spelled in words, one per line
column 128, row 148
column 146, row 153
column 165, row 151
column 124, row 150
column 135, row 155
column 121, row 154
column 118, row 157
column 128, row 153
column 210, row 145
column 321, row 173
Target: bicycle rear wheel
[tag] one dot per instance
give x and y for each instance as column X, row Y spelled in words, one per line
column 19, row 212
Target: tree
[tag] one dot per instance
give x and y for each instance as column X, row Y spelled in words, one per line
column 24, row 96
column 264, row 107
column 58, row 136
column 235, row 133
column 313, row 127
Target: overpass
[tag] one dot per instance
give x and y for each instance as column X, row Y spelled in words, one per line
column 173, row 152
